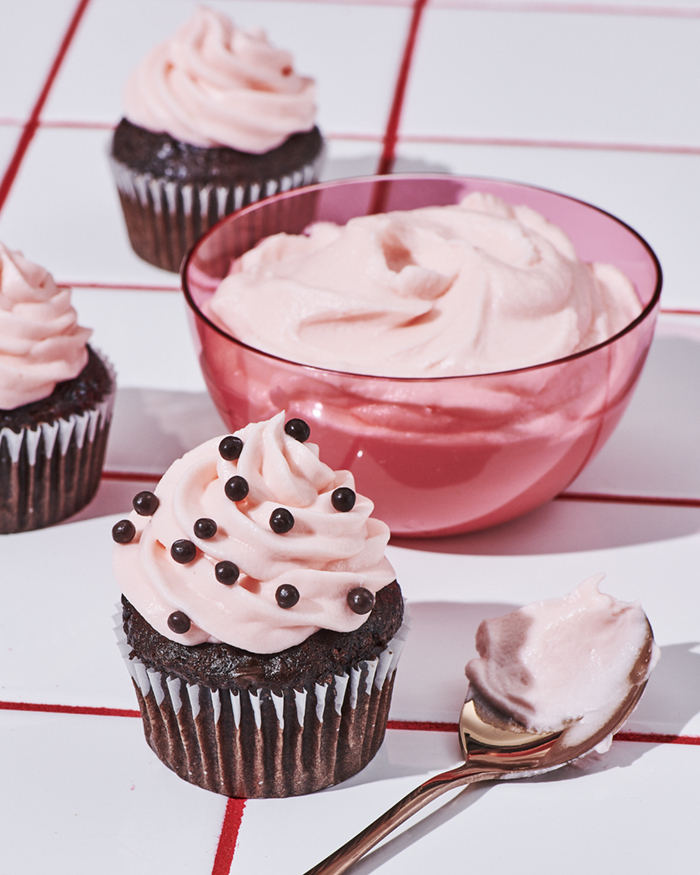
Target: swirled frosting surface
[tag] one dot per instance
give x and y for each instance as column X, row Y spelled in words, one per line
column 324, row 556
column 564, row 663
column 213, row 84
column 41, row 343
column 472, row 288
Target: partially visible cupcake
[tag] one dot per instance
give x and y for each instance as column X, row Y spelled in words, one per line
column 215, row 119
column 261, row 619
column 56, row 396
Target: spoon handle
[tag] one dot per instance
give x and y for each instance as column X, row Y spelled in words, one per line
column 342, row 859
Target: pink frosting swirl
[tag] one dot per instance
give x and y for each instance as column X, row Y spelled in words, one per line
column 41, row 343
column 327, row 553
column 213, row 84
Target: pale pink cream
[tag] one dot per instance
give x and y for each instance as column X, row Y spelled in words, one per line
column 213, row 84
column 477, row 287
column 41, row 343
column 564, row 663
column 325, row 555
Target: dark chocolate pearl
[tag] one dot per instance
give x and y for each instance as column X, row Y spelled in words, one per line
column 179, row 622
column 230, row 448
column 183, row 551
column 226, row 572
column 205, row 528
column 298, row 429
column 287, row 595
column 281, row 520
column 343, row 499
column 236, row 488
column 123, row 532
column 361, row 600
column 145, row 503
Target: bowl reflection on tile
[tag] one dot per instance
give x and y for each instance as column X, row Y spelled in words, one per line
column 436, row 455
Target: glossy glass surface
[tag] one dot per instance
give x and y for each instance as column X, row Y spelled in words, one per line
column 446, row 455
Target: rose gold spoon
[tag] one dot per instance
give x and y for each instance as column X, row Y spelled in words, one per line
column 491, row 754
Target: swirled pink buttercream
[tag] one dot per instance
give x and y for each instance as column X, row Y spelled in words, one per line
column 470, row 288
column 213, row 84
column 325, row 555
column 41, row 343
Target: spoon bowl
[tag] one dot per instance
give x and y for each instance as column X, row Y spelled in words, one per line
column 491, row 754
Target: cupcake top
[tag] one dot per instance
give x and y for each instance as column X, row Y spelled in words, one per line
column 213, row 84
column 471, row 288
column 563, row 663
column 41, row 343
column 252, row 541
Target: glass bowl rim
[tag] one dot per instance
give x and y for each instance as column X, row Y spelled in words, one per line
column 393, row 177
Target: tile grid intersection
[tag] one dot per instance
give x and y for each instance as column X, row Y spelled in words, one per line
column 235, row 808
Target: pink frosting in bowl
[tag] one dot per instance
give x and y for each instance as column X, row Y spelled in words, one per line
column 440, row 454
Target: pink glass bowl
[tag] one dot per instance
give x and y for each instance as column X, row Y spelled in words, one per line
column 443, row 455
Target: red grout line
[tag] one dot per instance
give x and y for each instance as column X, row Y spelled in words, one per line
column 653, row 148
column 646, row 737
column 569, row 8
column 627, row 499
column 679, row 311
column 68, row 709
column 127, row 287
column 33, row 123
column 228, row 837
column 130, row 475
column 232, row 819
column 390, row 137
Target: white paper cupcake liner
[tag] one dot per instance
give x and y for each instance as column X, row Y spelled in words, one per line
column 260, row 743
column 165, row 217
column 52, row 470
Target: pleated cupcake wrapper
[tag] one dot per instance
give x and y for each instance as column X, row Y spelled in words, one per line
column 52, row 471
column 165, row 217
column 260, row 743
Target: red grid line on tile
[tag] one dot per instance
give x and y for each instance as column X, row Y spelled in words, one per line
column 33, row 122
column 609, row 498
column 228, row 836
column 386, row 161
column 569, row 8
column 534, row 143
column 69, row 709
column 645, row 737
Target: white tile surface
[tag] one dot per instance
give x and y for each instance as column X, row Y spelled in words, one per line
column 27, row 50
column 87, row 784
column 572, row 77
column 326, row 40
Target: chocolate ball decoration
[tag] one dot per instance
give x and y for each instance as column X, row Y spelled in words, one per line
column 343, row 499
column 281, row 520
column 145, row 503
column 230, row 448
column 226, row 572
column 183, row 551
column 123, row 532
column 287, row 595
column 236, row 488
column 179, row 622
column 360, row 600
column 205, row 528
column 298, row 429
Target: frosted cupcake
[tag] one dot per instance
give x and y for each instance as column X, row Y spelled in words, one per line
column 215, row 119
column 56, row 397
column 262, row 622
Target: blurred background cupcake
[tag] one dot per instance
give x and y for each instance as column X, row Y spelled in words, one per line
column 56, row 396
column 261, row 619
column 215, row 118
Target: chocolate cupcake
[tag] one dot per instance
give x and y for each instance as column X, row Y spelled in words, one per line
column 261, row 621
column 216, row 119
column 56, row 396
